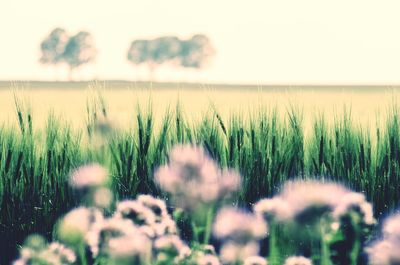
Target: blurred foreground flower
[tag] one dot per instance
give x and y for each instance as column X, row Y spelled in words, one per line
column 74, row 225
column 314, row 212
column 240, row 232
column 193, row 178
column 40, row 252
column 103, row 231
column 387, row 250
column 303, row 201
column 298, row 261
column 89, row 176
column 171, row 250
column 91, row 181
column 255, row 260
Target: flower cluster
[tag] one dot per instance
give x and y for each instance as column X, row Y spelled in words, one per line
column 305, row 200
column 145, row 231
column 37, row 251
column 240, row 232
column 298, row 260
column 192, row 177
column 139, row 230
column 91, row 181
column 386, row 251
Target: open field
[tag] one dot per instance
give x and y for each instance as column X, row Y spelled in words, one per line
column 284, row 138
column 69, row 100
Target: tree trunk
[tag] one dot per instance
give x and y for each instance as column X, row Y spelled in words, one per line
column 152, row 68
column 70, row 73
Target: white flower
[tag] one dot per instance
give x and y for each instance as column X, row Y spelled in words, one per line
column 353, row 200
column 55, row 254
column 255, row 260
column 298, row 260
column 158, row 206
column 273, row 208
column 65, row 254
column 386, row 251
column 102, row 197
column 301, row 195
column 166, row 226
column 135, row 245
column 193, row 178
column 382, row 253
column 173, row 245
column 207, row 259
column 391, row 227
column 232, row 223
column 77, row 222
column 136, row 212
column 311, row 199
column 89, row 176
column 102, row 232
column 232, row 252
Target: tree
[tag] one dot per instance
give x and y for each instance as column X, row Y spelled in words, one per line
column 79, row 50
column 53, row 47
column 74, row 51
column 154, row 52
column 192, row 53
column 196, row 52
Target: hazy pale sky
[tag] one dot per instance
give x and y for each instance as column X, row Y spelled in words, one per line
column 257, row 41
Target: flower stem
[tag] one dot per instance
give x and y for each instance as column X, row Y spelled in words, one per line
column 82, row 255
column 207, row 230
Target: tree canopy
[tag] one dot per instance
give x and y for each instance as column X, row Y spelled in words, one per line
column 192, row 53
column 74, row 51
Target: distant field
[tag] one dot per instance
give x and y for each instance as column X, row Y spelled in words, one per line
column 69, row 99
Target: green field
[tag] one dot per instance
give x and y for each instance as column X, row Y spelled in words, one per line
column 270, row 134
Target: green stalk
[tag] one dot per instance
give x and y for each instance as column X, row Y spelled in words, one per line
column 209, row 220
column 82, row 255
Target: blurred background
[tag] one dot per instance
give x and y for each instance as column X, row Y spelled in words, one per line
column 257, row 42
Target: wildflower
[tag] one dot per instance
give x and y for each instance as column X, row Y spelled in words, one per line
column 239, row 226
column 75, row 224
column 298, row 260
column 89, row 176
column 135, row 248
column 273, row 208
column 193, row 178
column 136, row 212
column 209, row 249
column 171, row 247
column 208, row 259
column 255, row 260
column 353, row 201
column 66, row 254
column 55, row 253
column 102, row 197
column 391, row 227
column 158, row 206
column 232, row 252
column 386, row 251
column 311, row 199
column 103, row 231
column 166, row 226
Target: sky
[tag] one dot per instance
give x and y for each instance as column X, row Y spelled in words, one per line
column 256, row 41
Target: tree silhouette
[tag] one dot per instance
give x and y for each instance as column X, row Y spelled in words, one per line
column 74, row 51
column 193, row 53
column 196, row 51
column 53, row 47
column 79, row 50
column 154, row 52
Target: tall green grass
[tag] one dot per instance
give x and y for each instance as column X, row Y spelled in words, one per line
column 266, row 148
